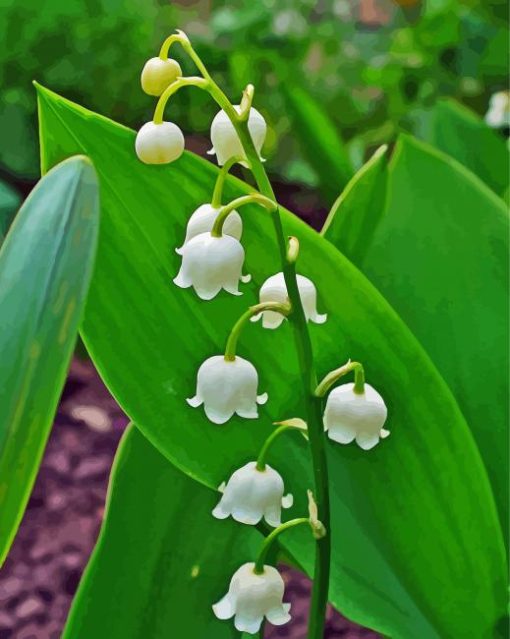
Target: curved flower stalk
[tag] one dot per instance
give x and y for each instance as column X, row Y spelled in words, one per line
column 226, row 387
column 252, row 494
column 225, row 140
column 251, row 597
column 202, row 221
column 274, row 289
column 210, row 264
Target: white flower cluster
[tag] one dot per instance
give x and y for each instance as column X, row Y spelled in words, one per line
column 227, row 385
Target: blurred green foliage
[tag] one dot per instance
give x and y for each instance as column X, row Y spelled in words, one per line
column 90, row 49
column 374, row 67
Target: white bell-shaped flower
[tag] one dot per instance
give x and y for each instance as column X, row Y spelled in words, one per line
column 226, row 142
column 498, row 114
column 158, row 74
column 210, row 264
column 251, row 597
column 350, row 416
column 226, row 387
column 251, row 494
column 202, row 220
column 274, row 289
column 159, row 143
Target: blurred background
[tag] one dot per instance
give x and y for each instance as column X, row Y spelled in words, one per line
column 355, row 72
column 361, row 69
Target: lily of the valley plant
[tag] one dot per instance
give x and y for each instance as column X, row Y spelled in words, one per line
column 213, row 259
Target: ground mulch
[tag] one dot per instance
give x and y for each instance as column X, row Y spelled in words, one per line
column 64, row 515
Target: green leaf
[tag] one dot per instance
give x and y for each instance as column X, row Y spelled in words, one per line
column 440, row 257
column 461, row 133
column 354, row 216
column 45, row 268
column 320, row 140
column 161, row 559
column 409, row 522
column 9, row 204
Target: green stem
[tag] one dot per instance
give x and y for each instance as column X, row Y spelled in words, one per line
column 175, row 37
column 182, row 39
column 359, row 380
column 313, row 404
column 268, row 541
column 331, row 378
column 261, row 459
column 233, row 338
column 253, row 198
column 220, row 181
column 170, row 90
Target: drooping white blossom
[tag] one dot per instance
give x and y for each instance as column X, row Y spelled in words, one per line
column 251, row 597
column 350, row 416
column 210, row 264
column 158, row 74
column 274, row 289
column 498, row 114
column 226, row 142
column 159, row 143
column 202, row 220
column 226, row 387
column 251, row 494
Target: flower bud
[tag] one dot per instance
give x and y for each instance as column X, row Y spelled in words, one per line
column 274, row 289
column 251, row 494
column 202, row 220
column 158, row 74
column 210, row 264
column 159, row 143
column 352, row 416
column 226, row 387
column 226, row 142
column 251, row 597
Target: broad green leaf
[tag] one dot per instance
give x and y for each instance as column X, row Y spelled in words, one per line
column 45, row 268
column 354, row 216
column 440, row 256
column 320, row 140
column 410, row 522
column 9, row 203
column 161, row 559
column 461, row 133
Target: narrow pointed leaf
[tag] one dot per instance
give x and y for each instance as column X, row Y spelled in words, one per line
column 354, row 216
column 412, row 519
column 45, row 267
column 440, row 255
